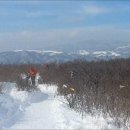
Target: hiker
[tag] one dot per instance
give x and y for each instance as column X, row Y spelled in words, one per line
column 47, row 66
column 32, row 74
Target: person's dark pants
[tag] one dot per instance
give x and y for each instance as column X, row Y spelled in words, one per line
column 27, row 78
column 33, row 80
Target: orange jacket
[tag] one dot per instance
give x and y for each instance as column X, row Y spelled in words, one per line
column 32, row 72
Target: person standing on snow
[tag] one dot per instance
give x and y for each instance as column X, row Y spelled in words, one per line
column 32, row 74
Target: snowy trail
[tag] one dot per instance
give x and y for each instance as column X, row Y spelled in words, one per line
column 36, row 116
column 42, row 110
column 39, row 114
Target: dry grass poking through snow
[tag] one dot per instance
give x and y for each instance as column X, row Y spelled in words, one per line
column 99, row 87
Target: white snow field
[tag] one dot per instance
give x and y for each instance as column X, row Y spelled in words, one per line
column 42, row 109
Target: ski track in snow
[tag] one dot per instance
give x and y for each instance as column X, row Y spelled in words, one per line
column 41, row 109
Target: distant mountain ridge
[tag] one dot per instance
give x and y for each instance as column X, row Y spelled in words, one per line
column 40, row 57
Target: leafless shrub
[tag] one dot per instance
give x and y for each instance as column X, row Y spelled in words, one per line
column 97, row 87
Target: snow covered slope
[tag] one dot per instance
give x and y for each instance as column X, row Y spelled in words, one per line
column 42, row 109
column 39, row 57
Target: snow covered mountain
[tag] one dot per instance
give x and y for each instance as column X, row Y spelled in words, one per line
column 39, row 57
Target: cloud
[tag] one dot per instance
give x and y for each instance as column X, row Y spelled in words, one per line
column 94, row 10
column 77, row 38
column 34, row 14
column 71, row 19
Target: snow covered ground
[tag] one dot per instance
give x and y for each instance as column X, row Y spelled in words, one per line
column 42, row 109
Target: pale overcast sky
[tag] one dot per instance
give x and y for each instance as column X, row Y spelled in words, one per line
column 56, row 24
